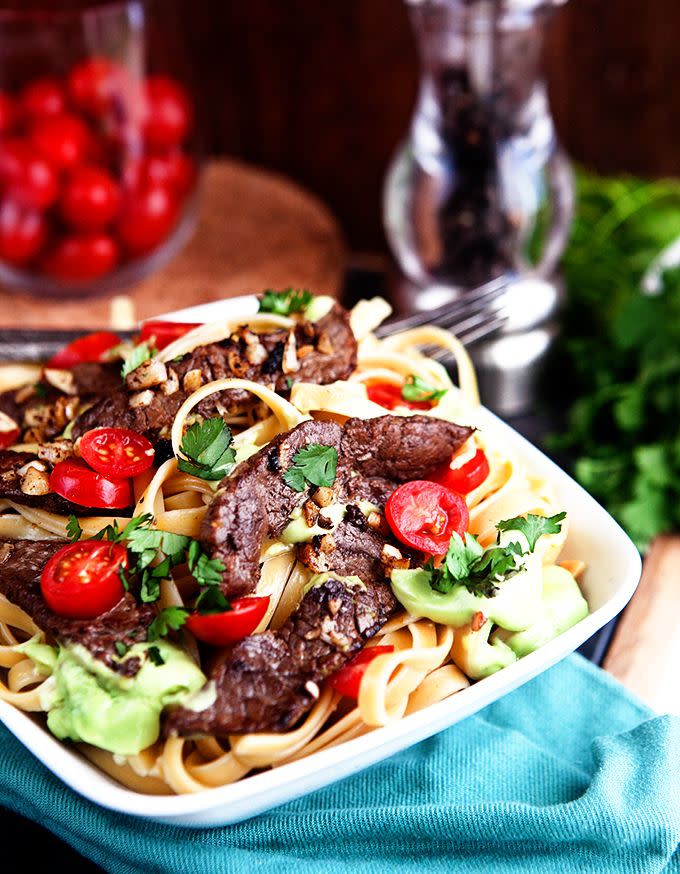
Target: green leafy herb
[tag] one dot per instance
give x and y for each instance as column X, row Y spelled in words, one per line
column 212, row 600
column 73, row 529
column 315, row 464
column 206, row 571
column 284, row 303
column 120, row 647
column 137, row 355
column 416, row 389
column 208, row 449
column 533, row 526
column 169, row 619
column 155, row 656
column 40, row 389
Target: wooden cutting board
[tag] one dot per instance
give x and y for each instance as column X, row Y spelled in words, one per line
column 256, row 230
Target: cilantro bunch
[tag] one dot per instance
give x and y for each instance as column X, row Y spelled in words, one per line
column 286, row 302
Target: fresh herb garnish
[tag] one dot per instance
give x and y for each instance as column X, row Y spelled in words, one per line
column 206, row 571
column 416, row 389
column 284, row 303
column 212, row 600
column 40, row 389
column 155, row 656
column 137, row 355
column 533, row 526
column 73, row 529
column 315, row 464
column 120, row 647
column 169, row 619
column 208, row 449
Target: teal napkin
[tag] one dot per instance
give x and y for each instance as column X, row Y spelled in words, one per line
column 569, row 773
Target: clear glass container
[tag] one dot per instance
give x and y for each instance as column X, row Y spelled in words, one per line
column 480, row 188
column 99, row 150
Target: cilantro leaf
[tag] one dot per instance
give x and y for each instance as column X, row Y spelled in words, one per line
column 416, row 389
column 207, row 447
column 169, row 619
column 468, row 564
column 206, row 571
column 315, row 464
column 146, row 543
column 533, row 526
column 138, row 355
column 120, row 647
column 155, row 656
column 286, row 302
column 73, row 529
column 212, row 600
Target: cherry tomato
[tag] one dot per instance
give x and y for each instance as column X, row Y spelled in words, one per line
column 23, row 231
column 147, row 217
column 389, row 396
column 160, row 334
column 42, row 98
column 116, row 451
column 91, row 199
column 424, row 515
column 347, row 680
column 82, row 580
column 465, row 478
column 63, row 140
column 168, row 112
column 221, row 629
column 94, row 84
column 27, row 176
column 9, row 431
column 84, row 256
column 9, row 113
column 173, row 169
column 91, row 347
column 77, row 483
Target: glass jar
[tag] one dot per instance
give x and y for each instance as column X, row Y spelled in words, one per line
column 480, row 188
column 98, row 145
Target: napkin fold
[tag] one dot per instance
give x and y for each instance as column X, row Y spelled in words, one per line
column 570, row 773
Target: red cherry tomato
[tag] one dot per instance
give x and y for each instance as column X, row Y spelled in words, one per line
column 91, row 347
column 347, row 680
column 27, row 176
column 168, row 112
column 424, row 515
column 42, row 98
column 62, row 140
column 77, row 483
column 160, row 334
column 116, row 451
column 9, row 113
column 84, row 256
column 221, row 629
column 23, row 231
column 173, row 169
column 147, row 217
column 82, row 580
column 91, row 199
column 389, row 396
column 465, row 478
column 94, row 84
column 9, row 431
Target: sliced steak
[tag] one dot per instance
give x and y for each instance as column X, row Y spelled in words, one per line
column 22, row 562
column 325, row 351
column 268, row 681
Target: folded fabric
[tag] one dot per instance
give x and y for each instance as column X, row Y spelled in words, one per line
column 569, row 773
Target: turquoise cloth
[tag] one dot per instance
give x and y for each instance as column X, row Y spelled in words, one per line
column 568, row 774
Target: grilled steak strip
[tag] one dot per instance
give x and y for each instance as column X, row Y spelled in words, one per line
column 373, row 457
column 268, row 681
column 22, row 562
column 329, row 354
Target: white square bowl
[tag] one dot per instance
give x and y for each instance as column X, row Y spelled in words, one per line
column 613, row 572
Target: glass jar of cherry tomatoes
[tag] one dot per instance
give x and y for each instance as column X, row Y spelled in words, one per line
column 98, row 144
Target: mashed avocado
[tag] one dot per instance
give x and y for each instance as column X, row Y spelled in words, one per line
column 87, row 701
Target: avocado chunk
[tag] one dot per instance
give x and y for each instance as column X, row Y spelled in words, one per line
column 476, row 656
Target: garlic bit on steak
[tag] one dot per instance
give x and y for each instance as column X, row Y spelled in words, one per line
column 149, row 374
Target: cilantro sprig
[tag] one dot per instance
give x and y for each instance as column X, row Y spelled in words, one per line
column 416, row 389
column 533, row 526
column 286, row 302
column 315, row 464
column 73, row 529
column 169, row 619
column 207, row 447
column 136, row 356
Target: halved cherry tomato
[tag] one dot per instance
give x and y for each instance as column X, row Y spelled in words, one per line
column 424, row 515
column 465, row 478
column 91, row 347
column 389, row 396
column 160, row 334
column 82, row 580
column 347, row 680
column 221, row 629
column 74, row 481
column 116, row 451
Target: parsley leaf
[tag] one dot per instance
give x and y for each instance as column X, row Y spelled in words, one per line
column 286, row 302
column 315, row 464
column 206, row 571
column 208, row 449
column 73, row 529
column 478, row 569
column 416, row 389
column 212, row 600
column 155, row 656
column 169, row 619
column 138, row 355
column 533, row 526
column 120, row 647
